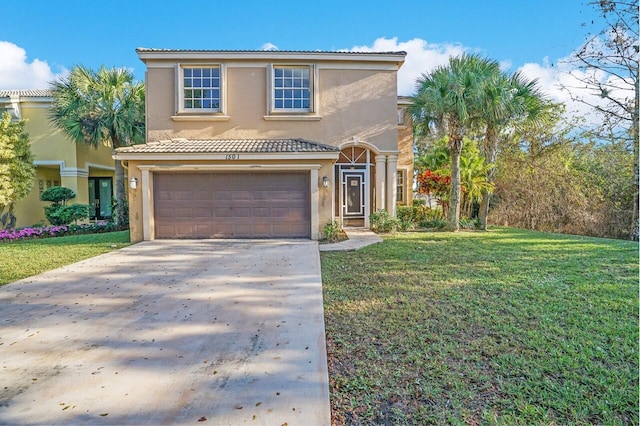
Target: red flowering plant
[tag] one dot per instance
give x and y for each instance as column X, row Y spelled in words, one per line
column 435, row 184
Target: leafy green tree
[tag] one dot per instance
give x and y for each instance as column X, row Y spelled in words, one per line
column 506, row 103
column 434, row 173
column 103, row 107
column 16, row 167
column 448, row 101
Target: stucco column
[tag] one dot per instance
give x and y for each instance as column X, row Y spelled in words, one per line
column 381, row 161
column 392, row 176
column 147, row 214
column 314, row 203
column 78, row 181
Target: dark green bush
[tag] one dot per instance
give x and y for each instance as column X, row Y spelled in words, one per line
column 468, row 223
column 433, row 223
column 59, row 213
column 58, row 195
column 64, row 215
column 405, row 213
column 381, row 221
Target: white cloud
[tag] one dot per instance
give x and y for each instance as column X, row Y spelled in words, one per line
column 269, row 46
column 17, row 73
column 422, row 57
column 557, row 81
column 505, row 65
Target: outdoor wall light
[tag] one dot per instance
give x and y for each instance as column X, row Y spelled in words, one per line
column 133, row 183
column 325, row 181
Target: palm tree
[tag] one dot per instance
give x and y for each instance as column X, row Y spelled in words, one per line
column 106, row 106
column 505, row 102
column 448, row 101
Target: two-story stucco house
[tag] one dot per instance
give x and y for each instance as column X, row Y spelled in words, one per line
column 58, row 160
column 266, row 144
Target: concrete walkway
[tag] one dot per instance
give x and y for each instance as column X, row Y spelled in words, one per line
column 358, row 238
column 169, row 332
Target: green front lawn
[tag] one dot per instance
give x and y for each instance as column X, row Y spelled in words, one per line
column 500, row 327
column 21, row 259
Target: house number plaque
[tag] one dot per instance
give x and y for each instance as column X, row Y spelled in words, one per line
column 232, row 157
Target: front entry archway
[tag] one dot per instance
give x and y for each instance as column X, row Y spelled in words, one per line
column 353, row 173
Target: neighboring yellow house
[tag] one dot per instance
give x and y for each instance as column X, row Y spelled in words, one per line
column 267, row 144
column 59, row 161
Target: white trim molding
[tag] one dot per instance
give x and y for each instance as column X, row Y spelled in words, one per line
column 72, row 171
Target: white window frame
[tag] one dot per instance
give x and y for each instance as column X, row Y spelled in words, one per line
column 180, row 108
column 401, row 186
column 313, row 78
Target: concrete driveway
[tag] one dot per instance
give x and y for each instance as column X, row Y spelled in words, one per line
column 169, row 332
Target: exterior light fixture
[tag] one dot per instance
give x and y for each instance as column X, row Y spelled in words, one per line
column 133, row 183
column 325, row 182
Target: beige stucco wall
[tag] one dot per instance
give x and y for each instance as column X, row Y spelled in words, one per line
column 54, row 153
column 343, row 96
column 405, row 158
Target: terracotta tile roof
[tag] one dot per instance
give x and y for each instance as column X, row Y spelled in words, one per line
column 228, row 145
column 28, row 93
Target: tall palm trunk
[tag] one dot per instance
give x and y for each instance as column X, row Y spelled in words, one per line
column 454, row 199
column 490, row 157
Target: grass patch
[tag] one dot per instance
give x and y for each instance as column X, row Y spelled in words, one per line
column 21, row 259
column 500, row 327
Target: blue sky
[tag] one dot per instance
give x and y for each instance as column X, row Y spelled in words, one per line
column 40, row 39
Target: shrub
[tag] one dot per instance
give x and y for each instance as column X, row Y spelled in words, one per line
column 64, row 215
column 331, row 231
column 58, row 195
column 59, row 213
column 433, row 223
column 381, row 221
column 405, row 225
column 468, row 223
column 405, row 213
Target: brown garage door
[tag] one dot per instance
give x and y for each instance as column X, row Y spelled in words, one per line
column 232, row 205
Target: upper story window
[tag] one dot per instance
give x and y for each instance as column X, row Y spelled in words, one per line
column 201, row 89
column 292, row 89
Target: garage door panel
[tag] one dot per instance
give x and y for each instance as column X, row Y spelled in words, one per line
column 222, row 195
column 232, row 205
column 260, row 212
column 201, row 195
column 184, row 213
column 203, row 213
column 183, row 195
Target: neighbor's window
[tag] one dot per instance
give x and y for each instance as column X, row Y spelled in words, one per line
column 201, row 89
column 400, row 185
column 292, row 89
